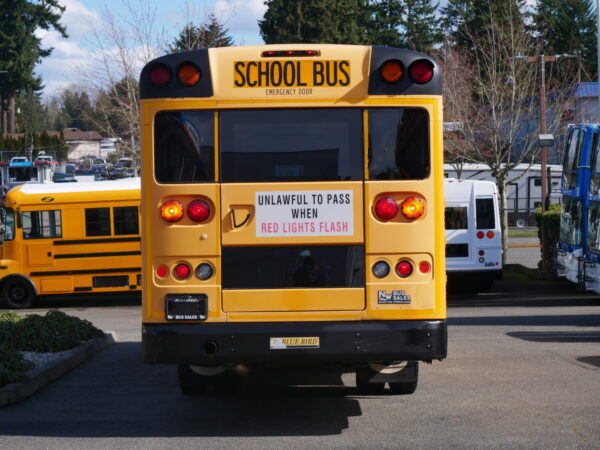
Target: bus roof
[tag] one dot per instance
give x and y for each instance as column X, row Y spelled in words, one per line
column 53, row 193
column 88, row 186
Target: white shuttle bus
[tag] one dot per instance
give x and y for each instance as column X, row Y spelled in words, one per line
column 473, row 236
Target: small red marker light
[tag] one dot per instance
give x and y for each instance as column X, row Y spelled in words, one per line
column 480, row 235
column 424, row 267
column 162, row 271
column 481, row 252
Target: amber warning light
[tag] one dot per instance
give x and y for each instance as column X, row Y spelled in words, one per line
column 171, row 211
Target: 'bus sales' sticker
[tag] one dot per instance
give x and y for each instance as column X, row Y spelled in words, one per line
column 304, row 213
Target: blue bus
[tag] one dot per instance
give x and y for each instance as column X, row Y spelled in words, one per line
column 572, row 249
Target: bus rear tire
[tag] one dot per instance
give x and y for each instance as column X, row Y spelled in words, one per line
column 190, row 382
column 17, row 293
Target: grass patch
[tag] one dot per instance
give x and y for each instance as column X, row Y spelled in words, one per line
column 522, row 233
column 522, row 274
column 53, row 332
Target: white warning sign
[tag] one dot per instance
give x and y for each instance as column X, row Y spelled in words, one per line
column 304, row 213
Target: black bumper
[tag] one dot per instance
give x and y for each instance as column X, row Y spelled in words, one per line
column 340, row 342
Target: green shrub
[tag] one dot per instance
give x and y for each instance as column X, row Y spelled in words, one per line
column 53, row 332
column 549, row 232
column 12, row 364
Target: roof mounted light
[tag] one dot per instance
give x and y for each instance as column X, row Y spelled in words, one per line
column 160, row 75
column 391, row 71
column 421, row 71
column 289, row 53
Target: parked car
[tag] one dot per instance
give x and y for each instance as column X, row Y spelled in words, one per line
column 44, row 159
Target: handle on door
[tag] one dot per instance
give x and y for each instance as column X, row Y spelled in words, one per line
column 235, row 224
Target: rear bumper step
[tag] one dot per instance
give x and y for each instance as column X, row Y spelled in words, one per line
column 338, row 342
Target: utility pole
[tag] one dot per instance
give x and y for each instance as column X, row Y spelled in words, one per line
column 542, row 60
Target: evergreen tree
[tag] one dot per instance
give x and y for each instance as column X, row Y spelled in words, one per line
column 32, row 117
column 77, row 110
column 209, row 34
column 324, row 21
column 568, row 27
column 20, row 47
column 421, row 25
column 385, row 23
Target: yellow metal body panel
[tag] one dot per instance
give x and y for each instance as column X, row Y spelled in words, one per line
column 419, row 240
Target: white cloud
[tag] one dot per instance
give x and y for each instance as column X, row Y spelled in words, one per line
column 241, row 18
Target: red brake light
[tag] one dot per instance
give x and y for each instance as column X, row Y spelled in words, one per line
column 391, row 71
column 386, row 208
column 481, row 252
column 160, row 75
column 424, row 267
column 198, row 210
column 413, row 208
column 188, row 74
column 171, row 210
column 182, row 271
column 480, row 235
column 490, row 234
column 421, row 71
column 404, row 268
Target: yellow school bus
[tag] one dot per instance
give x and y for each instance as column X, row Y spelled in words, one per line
column 69, row 238
column 293, row 209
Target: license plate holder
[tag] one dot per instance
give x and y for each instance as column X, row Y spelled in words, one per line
column 186, row 306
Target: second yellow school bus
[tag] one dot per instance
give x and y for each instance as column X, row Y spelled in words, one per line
column 293, row 212
column 69, row 238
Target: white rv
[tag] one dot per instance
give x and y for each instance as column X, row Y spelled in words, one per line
column 473, row 236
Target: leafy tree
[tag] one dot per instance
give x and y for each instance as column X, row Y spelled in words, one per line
column 421, row 25
column 20, row 48
column 209, row 34
column 306, row 21
column 568, row 27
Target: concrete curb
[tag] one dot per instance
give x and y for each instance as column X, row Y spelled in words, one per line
column 525, row 245
column 33, row 382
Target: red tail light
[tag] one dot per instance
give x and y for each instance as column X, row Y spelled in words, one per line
column 171, row 211
column 480, row 235
column 386, row 208
column 404, row 268
column 391, row 71
column 198, row 210
column 182, row 271
column 424, row 267
column 421, row 71
column 160, row 75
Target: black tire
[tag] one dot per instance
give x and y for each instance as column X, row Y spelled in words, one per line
column 406, row 387
column 190, row 382
column 17, row 293
column 363, row 381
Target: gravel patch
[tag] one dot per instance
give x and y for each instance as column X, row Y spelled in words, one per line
column 44, row 360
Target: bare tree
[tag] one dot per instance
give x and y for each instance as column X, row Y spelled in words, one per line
column 494, row 98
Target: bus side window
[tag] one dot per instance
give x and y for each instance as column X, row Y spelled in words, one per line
column 41, row 224
column 126, row 220
column 9, row 225
column 484, row 210
column 97, row 222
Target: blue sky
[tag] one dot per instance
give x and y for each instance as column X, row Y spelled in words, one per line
column 69, row 62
